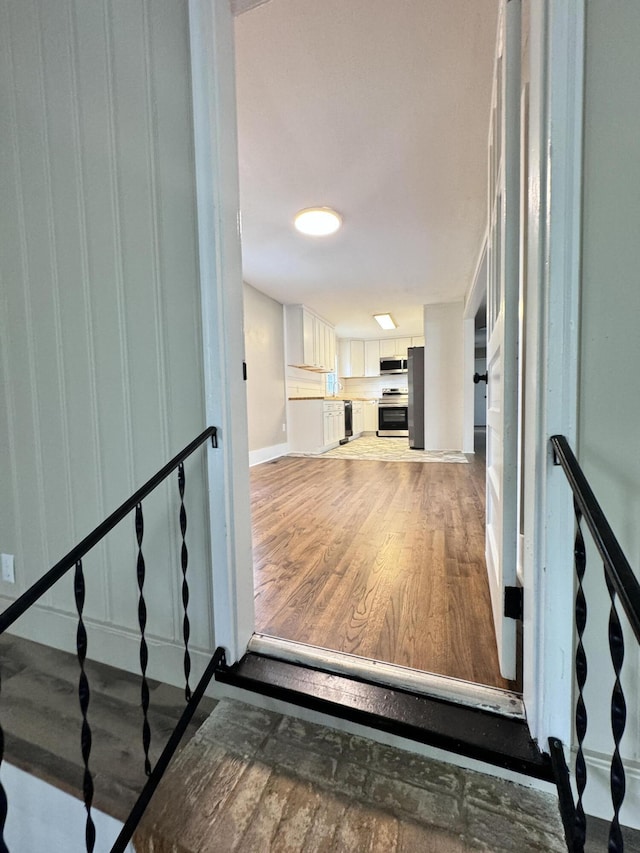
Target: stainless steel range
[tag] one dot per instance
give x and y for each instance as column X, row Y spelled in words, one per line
column 393, row 413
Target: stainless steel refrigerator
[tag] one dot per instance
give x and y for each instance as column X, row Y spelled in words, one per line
column 416, row 397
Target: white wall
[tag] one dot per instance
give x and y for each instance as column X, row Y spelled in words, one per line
column 443, row 370
column 610, row 355
column 266, row 390
column 101, row 353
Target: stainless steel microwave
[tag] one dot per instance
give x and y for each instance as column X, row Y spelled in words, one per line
column 393, row 365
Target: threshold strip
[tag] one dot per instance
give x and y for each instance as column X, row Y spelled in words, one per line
column 481, row 735
column 478, row 696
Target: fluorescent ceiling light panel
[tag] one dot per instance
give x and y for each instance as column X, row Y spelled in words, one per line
column 386, row 321
column 317, row 221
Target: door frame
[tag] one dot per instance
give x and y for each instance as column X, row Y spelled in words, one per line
column 554, row 223
column 556, row 44
column 476, row 294
column 211, row 39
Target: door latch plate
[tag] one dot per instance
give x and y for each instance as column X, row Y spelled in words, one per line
column 513, row 602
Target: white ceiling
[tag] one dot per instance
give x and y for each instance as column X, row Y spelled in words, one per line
column 379, row 109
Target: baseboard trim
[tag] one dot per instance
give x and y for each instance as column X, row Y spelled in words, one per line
column 478, row 696
column 597, row 797
column 266, row 454
column 110, row 645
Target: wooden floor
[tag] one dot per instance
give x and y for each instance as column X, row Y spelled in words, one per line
column 383, row 560
column 41, row 719
column 255, row 781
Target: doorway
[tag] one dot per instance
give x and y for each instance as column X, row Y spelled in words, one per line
column 291, row 588
column 557, row 47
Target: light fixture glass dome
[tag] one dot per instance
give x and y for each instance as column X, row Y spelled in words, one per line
column 318, row 221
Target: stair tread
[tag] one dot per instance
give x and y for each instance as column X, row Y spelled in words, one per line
column 253, row 779
column 488, row 737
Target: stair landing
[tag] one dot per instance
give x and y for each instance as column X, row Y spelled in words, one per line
column 255, row 780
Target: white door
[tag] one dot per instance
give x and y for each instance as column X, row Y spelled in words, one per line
column 502, row 330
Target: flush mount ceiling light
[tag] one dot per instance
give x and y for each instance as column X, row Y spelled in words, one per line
column 317, row 221
column 386, row 321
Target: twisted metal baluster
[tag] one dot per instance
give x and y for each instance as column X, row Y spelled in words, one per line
column 3, row 800
column 144, row 652
column 84, row 695
column 580, row 557
column 618, row 722
column 184, row 561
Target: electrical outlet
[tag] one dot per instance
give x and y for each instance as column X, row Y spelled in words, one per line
column 8, row 571
column 284, row 427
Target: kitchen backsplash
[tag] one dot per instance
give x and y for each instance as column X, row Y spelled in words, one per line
column 304, row 383
column 372, row 386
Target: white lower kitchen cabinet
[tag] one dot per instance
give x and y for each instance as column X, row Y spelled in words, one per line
column 333, row 424
column 315, row 425
column 358, row 417
column 370, row 415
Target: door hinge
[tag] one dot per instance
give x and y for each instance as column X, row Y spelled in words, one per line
column 244, row 370
column 513, row 602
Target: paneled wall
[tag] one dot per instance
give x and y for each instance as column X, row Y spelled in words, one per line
column 610, row 354
column 101, row 355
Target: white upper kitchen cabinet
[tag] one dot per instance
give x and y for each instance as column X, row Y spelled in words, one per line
column 372, row 358
column 394, row 346
column 330, row 347
column 387, row 348
column 344, row 357
column 320, row 348
column 362, row 358
column 310, row 340
column 357, row 358
column 308, row 355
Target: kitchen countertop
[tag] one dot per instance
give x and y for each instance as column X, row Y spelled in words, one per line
column 336, row 399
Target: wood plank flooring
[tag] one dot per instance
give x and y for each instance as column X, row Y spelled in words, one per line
column 41, row 720
column 254, row 781
column 384, row 560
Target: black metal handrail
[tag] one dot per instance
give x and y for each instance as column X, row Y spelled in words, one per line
column 74, row 559
column 616, row 564
column 622, row 586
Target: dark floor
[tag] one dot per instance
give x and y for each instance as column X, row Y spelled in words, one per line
column 598, row 837
column 40, row 715
column 255, row 781
column 41, row 719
